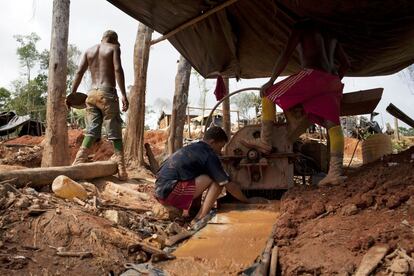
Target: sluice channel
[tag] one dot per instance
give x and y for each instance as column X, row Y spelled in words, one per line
column 230, row 242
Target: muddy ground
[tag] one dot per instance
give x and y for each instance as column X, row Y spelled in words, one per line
column 321, row 231
column 327, row 231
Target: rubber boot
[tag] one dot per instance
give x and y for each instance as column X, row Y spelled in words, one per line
column 119, row 158
column 264, row 143
column 335, row 174
column 81, row 156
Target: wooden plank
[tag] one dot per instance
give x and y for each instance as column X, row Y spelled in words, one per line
column 371, row 260
column 273, row 261
column 360, row 102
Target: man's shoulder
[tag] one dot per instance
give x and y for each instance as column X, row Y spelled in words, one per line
column 199, row 145
column 93, row 48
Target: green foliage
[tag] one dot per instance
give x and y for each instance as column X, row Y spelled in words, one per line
column 400, row 145
column 74, row 55
column 27, row 52
column 406, row 131
column 77, row 117
column 245, row 102
column 29, row 96
column 4, row 98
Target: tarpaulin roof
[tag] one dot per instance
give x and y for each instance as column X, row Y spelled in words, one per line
column 14, row 123
column 245, row 38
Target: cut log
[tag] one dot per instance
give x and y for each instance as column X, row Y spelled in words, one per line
column 39, row 177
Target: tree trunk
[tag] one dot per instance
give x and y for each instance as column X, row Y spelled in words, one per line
column 134, row 136
column 226, row 110
column 182, row 82
column 56, row 148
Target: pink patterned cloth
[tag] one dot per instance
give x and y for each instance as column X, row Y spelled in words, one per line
column 182, row 195
column 318, row 92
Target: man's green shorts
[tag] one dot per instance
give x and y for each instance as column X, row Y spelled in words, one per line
column 102, row 108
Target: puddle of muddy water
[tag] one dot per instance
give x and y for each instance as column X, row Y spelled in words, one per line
column 232, row 241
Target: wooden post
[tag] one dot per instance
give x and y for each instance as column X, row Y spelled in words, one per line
column 397, row 131
column 226, row 110
column 134, row 135
column 188, row 122
column 56, row 148
column 182, row 82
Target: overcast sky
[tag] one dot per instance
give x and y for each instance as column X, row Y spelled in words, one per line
column 89, row 19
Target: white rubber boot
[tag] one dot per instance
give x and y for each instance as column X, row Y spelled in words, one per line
column 119, row 158
column 81, row 156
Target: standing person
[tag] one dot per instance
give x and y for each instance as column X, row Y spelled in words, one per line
column 317, row 89
column 102, row 105
column 191, row 170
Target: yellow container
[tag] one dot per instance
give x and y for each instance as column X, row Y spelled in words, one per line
column 375, row 147
column 65, row 187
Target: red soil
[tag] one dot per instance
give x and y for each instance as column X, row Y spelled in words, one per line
column 328, row 230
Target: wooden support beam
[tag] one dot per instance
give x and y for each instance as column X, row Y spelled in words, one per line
column 193, row 21
column 39, row 177
column 397, row 113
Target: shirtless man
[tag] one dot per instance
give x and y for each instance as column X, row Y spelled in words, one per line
column 316, row 89
column 102, row 104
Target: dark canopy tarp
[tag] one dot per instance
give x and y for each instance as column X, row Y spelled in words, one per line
column 245, row 38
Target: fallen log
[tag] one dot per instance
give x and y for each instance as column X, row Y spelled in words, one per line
column 39, row 177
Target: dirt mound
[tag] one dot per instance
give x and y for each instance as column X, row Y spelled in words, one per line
column 327, row 231
column 37, row 228
column 27, row 150
column 21, row 155
column 352, row 148
column 100, row 151
column 25, row 140
column 157, row 140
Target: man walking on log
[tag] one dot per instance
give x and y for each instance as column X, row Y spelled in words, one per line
column 316, row 89
column 102, row 105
